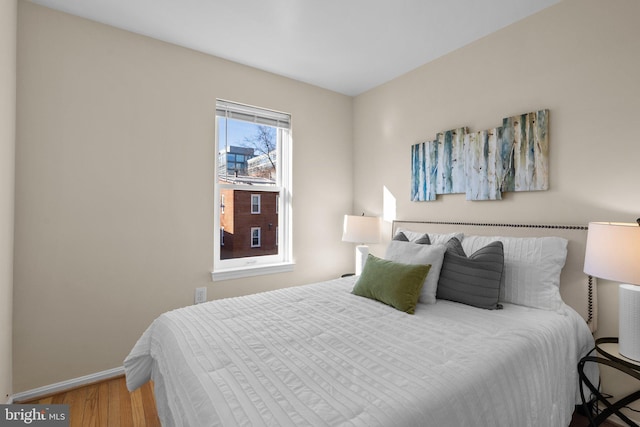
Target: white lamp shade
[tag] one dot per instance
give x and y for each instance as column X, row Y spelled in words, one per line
column 361, row 229
column 613, row 251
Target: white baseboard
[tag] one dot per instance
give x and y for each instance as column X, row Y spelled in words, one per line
column 66, row 385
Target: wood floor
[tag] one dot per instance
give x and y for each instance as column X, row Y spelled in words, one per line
column 110, row 404
column 107, row 403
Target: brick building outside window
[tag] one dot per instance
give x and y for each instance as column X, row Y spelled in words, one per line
column 238, row 222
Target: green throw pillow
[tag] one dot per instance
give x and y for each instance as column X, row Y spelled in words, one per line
column 392, row 283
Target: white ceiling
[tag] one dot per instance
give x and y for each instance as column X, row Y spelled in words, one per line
column 348, row 46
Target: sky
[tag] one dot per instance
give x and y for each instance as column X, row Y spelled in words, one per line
column 237, row 131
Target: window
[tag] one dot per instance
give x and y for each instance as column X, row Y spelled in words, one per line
column 253, row 188
column 255, row 203
column 255, row 237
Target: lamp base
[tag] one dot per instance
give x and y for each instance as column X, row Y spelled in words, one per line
column 362, row 251
column 629, row 321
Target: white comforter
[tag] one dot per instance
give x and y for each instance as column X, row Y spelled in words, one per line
column 317, row 355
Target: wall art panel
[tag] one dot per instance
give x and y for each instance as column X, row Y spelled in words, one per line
column 450, row 166
column 483, row 165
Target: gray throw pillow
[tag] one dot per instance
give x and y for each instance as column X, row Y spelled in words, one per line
column 473, row 280
column 423, row 240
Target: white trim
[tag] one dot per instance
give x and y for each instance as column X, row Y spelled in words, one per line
column 67, row 385
column 236, row 273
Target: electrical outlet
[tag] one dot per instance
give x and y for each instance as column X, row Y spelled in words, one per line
column 201, row 295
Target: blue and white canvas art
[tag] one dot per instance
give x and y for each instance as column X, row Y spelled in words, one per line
column 513, row 157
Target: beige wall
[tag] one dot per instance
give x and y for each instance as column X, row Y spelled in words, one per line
column 580, row 59
column 114, row 187
column 8, row 26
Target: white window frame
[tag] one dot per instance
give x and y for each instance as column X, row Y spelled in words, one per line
column 259, row 236
column 258, row 204
column 265, row 264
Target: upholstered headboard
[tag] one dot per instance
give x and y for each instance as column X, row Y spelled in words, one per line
column 577, row 288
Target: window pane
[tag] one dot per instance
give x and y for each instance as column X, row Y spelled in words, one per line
column 247, row 152
column 255, row 237
column 255, row 203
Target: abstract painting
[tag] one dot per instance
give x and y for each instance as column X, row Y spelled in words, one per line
column 513, row 157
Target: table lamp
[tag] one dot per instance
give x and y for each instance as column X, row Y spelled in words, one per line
column 361, row 230
column 613, row 253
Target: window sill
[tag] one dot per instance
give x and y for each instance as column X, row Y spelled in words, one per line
column 236, row 273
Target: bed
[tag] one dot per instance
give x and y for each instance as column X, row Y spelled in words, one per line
column 320, row 355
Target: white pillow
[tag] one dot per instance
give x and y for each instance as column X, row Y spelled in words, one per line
column 532, row 267
column 414, row 253
column 436, row 238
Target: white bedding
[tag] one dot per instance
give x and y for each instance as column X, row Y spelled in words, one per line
column 317, row 355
